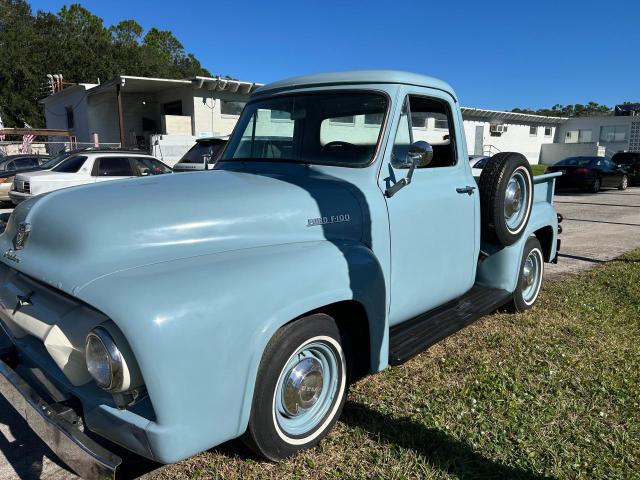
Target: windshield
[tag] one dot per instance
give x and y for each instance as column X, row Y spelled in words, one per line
column 55, row 160
column 332, row 129
column 197, row 153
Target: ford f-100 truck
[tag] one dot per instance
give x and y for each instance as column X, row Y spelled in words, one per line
column 340, row 232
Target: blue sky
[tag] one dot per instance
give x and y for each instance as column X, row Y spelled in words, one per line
column 496, row 54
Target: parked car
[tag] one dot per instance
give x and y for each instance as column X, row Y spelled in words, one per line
column 11, row 164
column 89, row 166
column 7, row 177
column 589, row 174
column 203, row 155
column 477, row 163
column 630, row 162
column 186, row 310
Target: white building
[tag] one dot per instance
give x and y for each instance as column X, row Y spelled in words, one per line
column 162, row 115
column 165, row 116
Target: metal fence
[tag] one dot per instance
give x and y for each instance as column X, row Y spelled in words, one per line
column 51, row 148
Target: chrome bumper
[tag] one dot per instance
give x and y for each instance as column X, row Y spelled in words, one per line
column 83, row 455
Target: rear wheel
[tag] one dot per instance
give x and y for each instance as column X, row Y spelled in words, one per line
column 624, row 183
column 530, row 276
column 300, row 389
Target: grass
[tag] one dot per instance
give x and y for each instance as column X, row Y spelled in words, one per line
column 553, row 393
column 538, row 169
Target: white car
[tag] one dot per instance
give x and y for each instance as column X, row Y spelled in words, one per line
column 86, row 167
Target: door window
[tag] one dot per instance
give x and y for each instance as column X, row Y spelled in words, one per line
column 114, row 167
column 26, row 162
column 426, row 119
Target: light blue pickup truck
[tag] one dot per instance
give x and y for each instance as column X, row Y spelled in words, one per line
column 340, row 232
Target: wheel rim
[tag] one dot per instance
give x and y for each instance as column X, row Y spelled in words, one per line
column 306, row 389
column 531, row 276
column 515, row 200
column 625, row 182
column 596, row 184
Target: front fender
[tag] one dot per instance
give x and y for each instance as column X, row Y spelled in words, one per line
column 198, row 328
column 502, row 268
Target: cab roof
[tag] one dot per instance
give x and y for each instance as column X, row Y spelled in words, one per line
column 357, row 77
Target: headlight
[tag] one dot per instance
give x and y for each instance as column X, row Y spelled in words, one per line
column 104, row 360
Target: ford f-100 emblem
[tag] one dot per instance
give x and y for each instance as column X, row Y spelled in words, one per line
column 11, row 255
column 313, row 222
column 23, row 233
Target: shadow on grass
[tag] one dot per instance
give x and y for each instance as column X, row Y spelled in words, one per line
column 439, row 449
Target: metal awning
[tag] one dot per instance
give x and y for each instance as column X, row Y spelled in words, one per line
column 131, row 84
column 219, row 84
column 497, row 115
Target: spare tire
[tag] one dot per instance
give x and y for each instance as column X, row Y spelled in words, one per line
column 506, row 198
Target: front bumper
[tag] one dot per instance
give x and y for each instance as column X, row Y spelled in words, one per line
column 72, row 446
column 17, row 197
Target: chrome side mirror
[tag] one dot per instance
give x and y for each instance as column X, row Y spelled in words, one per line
column 420, row 153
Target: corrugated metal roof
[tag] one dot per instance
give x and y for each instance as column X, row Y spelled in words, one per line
column 471, row 113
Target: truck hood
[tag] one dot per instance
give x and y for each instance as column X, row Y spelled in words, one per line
column 80, row 234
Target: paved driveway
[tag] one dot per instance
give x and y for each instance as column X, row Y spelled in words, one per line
column 597, row 228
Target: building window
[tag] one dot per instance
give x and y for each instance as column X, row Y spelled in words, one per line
column 172, row 108
column 70, row 120
column 350, row 120
column 228, row 107
column 533, row 131
column 280, row 116
column 584, row 136
column 440, row 122
column 548, row 131
column 373, row 119
column 613, row 133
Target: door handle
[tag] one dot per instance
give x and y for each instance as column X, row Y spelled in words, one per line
column 468, row 190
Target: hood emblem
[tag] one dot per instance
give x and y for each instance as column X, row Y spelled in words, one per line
column 23, row 301
column 23, row 234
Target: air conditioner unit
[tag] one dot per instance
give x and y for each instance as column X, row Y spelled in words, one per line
column 498, row 128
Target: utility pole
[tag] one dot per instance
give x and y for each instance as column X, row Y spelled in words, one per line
column 120, row 112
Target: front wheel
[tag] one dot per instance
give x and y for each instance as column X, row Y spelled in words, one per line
column 597, row 184
column 530, row 276
column 624, row 183
column 300, row 389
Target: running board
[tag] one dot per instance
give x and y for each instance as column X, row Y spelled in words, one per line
column 409, row 338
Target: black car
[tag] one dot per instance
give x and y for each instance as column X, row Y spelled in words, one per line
column 203, row 155
column 589, row 174
column 630, row 161
column 21, row 162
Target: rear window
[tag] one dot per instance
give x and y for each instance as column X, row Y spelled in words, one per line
column 197, row 153
column 577, row 161
column 71, row 164
column 626, row 158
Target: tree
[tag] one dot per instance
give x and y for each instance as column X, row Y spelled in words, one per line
column 578, row 110
column 77, row 44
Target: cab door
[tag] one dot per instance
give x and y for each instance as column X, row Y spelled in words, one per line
column 433, row 220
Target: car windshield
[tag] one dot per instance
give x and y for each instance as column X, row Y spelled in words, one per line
column 197, row 153
column 324, row 129
column 54, row 161
column 71, row 164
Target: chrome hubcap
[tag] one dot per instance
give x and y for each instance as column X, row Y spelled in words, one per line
column 513, row 198
column 302, row 387
column 528, row 271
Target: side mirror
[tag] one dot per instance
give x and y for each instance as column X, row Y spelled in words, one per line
column 420, row 153
column 207, row 159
